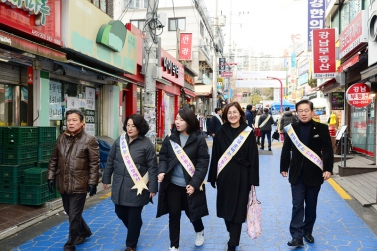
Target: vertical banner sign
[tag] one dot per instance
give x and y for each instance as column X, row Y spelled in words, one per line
column 221, row 65
column 30, row 75
column 324, row 61
column 90, row 94
column 185, row 49
column 55, row 99
column 293, row 60
column 316, row 18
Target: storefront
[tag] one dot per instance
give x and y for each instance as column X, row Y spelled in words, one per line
column 188, row 93
column 203, row 99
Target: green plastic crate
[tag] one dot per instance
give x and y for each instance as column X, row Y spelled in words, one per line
column 20, row 155
column 20, row 136
column 41, row 164
column 35, row 194
column 9, row 194
column 1, row 155
column 35, row 176
column 12, row 174
column 46, row 134
column 45, row 150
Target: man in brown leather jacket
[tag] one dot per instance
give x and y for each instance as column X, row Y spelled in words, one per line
column 74, row 168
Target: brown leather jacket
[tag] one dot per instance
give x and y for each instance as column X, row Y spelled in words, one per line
column 74, row 163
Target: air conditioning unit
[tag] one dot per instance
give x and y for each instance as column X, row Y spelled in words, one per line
column 372, row 28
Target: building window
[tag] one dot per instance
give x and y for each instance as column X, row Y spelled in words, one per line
column 173, row 22
column 136, row 4
column 139, row 24
column 101, row 4
column 201, row 29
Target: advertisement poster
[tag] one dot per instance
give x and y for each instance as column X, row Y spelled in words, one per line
column 90, row 94
column 72, row 103
column 90, row 129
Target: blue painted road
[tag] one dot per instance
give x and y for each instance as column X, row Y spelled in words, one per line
column 337, row 228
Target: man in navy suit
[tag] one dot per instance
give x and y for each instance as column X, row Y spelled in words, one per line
column 216, row 121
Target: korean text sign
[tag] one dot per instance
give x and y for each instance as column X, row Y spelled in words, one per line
column 316, row 18
column 324, row 61
column 185, row 49
column 358, row 95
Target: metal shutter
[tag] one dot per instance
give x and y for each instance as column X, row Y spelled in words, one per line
column 10, row 74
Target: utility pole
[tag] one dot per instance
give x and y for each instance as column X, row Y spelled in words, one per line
column 150, row 62
column 215, row 68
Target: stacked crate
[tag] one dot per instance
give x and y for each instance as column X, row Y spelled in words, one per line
column 19, row 149
column 34, row 190
column 1, row 145
column 46, row 142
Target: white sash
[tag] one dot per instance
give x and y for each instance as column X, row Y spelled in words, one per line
column 218, row 117
column 184, row 160
column 233, row 149
column 306, row 151
column 265, row 121
column 140, row 182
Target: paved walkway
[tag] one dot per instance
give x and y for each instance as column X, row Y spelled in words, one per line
column 337, row 228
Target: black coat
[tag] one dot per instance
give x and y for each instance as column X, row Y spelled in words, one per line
column 320, row 143
column 268, row 126
column 215, row 125
column 235, row 180
column 197, row 150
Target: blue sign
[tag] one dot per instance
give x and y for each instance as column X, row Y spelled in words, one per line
column 293, row 60
column 303, row 79
column 316, row 18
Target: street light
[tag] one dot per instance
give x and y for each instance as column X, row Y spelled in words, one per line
column 281, row 92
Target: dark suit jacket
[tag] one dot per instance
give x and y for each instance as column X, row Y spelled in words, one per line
column 320, row 143
column 215, row 124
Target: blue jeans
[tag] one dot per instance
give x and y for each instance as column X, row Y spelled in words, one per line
column 268, row 134
column 302, row 193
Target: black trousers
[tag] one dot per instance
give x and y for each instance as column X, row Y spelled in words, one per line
column 177, row 201
column 131, row 217
column 234, row 230
column 74, row 205
column 303, row 217
column 268, row 135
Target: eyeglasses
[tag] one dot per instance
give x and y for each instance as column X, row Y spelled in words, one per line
column 233, row 113
column 304, row 111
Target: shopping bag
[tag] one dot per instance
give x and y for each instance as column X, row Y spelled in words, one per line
column 257, row 132
column 253, row 217
column 282, row 137
column 275, row 135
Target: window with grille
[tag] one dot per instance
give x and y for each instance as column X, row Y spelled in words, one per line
column 101, row 4
column 139, row 24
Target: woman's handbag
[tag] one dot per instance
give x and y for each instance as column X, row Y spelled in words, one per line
column 253, row 217
column 275, row 135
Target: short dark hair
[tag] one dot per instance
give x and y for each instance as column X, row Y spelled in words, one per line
column 265, row 110
column 140, row 123
column 237, row 105
column 217, row 109
column 189, row 117
column 286, row 108
column 77, row 111
column 248, row 107
column 304, row 101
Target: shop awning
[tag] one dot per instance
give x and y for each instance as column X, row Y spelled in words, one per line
column 353, row 60
column 371, row 71
column 190, row 93
column 203, row 90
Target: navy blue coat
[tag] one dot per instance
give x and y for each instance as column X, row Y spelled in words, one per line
column 215, row 124
column 249, row 118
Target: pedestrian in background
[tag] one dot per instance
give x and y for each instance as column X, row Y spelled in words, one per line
column 286, row 119
column 281, row 132
column 307, row 156
column 216, row 121
column 249, row 116
column 73, row 167
column 265, row 126
column 257, row 131
column 254, row 112
column 183, row 165
column 235, row 176
column 132, row 158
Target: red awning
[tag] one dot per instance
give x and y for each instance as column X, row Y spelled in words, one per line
column 190, row 93
column 351, row 61
column 328, row 82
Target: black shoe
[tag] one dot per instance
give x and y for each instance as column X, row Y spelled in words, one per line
column 261, row 148
column 309, row 237
column 269, row 149
column 296, row 242
column 82, row 239
column 231, row 248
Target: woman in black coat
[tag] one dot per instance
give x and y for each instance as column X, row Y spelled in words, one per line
column 179, row 190
column 235, row 180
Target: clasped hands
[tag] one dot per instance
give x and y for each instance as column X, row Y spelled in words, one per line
column 189, row 189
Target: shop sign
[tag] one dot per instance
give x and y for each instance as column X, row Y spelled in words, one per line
column 316, row 18
column 227, row 74
column 222, row 63
column 185, row 46
column 303, row 69
column 90, row 96
column 171, row 67
column 90, row 116
column 355, row 35
column 358, row 95
column 112, row 35
column 35, row 17
column 189, row 79
column 55, row 100
column 30, row 75
column 337, row 101
column 324, row 60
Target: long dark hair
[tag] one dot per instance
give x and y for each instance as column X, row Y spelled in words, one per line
column 237, row 105
column 189, row 117
column 140, row 123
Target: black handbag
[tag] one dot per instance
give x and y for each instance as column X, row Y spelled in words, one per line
column 275, row 135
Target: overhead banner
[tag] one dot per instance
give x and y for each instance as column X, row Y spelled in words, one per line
column 222, row 63
column 261, row 74
column 324, row 60
column 185, row 46
column 316, row 18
